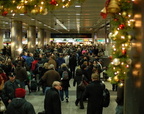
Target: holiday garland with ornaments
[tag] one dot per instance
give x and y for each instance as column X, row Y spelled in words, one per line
column 34, row 6
column 121, row 25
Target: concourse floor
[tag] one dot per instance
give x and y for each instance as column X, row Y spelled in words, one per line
column 37, row 99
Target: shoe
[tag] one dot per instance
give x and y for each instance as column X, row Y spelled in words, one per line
column 67, row 100
column 76, row 103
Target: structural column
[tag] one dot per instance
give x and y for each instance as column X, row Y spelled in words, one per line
column 40, row 38
column 31, row 35
column 47, row 38
column 1, row 39
column 16, row 36
column 134, row 89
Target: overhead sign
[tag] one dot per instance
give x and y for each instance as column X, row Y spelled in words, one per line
column 71, row 35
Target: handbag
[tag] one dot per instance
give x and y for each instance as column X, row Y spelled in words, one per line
column 2, row 106
column 82, row 85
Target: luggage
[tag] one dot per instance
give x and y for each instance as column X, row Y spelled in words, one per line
column 106, row 97
column 33, row 85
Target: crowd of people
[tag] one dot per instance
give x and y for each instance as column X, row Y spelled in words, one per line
column 52, row 68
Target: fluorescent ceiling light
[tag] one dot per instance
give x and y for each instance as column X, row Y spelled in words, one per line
column 22, row 14
column 62, row 25
column 77, row 6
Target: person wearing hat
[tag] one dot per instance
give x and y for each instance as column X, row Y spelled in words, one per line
column 8, row 92
column 94, row 93
column 19, row 105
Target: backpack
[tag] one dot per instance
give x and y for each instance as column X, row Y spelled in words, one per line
column 106, row 98
column 65, row 75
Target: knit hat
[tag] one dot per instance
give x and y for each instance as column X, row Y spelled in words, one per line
column 20, row 92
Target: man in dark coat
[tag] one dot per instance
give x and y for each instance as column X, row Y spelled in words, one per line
column 19, row 105
column 8, row 92
column 52, row 102
column 94, row 93
column 21, row 73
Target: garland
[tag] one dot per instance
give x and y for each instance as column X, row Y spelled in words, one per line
column 34, row 6
column 121, row 27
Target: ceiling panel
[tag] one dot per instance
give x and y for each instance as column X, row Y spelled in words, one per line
column 85, row 19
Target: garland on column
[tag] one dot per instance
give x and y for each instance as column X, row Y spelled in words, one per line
column 121, row 26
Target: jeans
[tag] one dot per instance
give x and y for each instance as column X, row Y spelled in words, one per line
column 62, row 93
column 119, row 109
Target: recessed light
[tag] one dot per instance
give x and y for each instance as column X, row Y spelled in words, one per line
column 77, row 6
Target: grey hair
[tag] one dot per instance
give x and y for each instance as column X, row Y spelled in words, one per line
column 56, row 83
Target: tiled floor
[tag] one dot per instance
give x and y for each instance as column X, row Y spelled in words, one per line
column 37, row 99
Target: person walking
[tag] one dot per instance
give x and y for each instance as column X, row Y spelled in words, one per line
column 65, row 77
column 52, row 101
column 8, row 92
column 50, row 76
column 79, row 92
column 94, row 93
column 20, row 105
column 20, row 73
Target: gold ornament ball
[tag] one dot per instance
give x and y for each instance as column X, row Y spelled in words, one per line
column 124, row 14
column 129, row 37
column 116, row 78
column 34, row 11
column 1, row 7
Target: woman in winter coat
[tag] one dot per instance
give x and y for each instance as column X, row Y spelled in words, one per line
column 65, row 78
column 77, row 80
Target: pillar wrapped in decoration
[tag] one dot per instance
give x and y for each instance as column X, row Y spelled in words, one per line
column 113, row 6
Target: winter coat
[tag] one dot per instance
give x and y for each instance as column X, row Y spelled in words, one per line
column 65, row 83
column 21, row 73
column 20, row 106
column 50, row 76
column 9, row 90
column 94, row 93
column 77, row 80
column 52, row 103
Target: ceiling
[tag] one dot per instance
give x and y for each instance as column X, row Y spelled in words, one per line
column 84, row 19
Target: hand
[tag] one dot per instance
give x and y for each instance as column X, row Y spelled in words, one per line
column 2, row 85
column 9, row 101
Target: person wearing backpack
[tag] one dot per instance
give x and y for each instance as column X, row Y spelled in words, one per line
column 94, row 93
column 65, row 77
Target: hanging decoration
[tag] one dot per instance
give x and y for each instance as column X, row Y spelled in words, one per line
column 104, row 12
column 53, row 2
column 34, row 6
column 122, row 23
column 113, row 6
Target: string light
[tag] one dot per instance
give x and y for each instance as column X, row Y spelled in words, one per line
column 121, row 26
column 35, row 6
